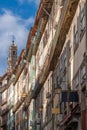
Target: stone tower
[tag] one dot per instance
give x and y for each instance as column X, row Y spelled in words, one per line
column 12, row 56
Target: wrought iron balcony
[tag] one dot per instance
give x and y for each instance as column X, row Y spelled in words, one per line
column 42, row 18
column 67, row 14
column 66, row 17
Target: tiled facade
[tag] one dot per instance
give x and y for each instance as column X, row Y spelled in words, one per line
column 47, row 89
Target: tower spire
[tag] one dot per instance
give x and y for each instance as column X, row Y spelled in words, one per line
column 12, row 56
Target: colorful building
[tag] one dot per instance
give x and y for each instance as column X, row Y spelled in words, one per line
column 47, row 88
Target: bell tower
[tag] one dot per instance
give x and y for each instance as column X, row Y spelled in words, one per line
column 12, row 56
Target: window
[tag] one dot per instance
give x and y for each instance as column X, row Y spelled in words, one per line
column 76, row 39
column 54, row 81
column 83, row 98
column 60, row 65
column 69, row 49
column 4, row 95
column 45, row 38
column 4, row 82
column 48, row 111
column 82, row 21
column 14, row 53
column 76, row 82
column 50, row 23
column 83, row 74
column 65, row 61
column 54, row 8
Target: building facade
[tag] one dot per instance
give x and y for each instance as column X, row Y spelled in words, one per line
column 48, row 87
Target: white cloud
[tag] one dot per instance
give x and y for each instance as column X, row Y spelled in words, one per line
column 12, row 25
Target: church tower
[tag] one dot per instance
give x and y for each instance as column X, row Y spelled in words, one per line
column 12, row 57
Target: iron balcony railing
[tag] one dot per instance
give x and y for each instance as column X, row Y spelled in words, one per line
column 43, row 18
column 67, row 14
column 56, row 44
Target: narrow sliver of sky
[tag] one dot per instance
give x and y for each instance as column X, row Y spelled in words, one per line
column 16, row 18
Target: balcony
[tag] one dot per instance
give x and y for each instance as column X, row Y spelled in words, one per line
column 36, row 88
column 64, row 23
column 18, row 104
column 68, row 12
column 42, row 18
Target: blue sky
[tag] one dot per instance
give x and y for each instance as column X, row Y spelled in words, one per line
column 16, row 18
